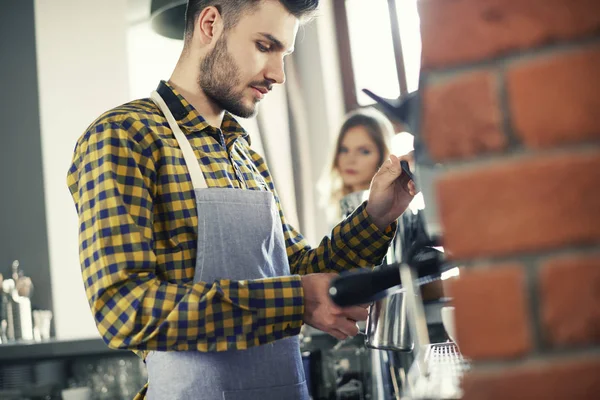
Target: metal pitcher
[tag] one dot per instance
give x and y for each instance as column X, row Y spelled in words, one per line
column 387, row 326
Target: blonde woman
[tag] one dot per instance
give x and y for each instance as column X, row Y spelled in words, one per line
column 362, row 145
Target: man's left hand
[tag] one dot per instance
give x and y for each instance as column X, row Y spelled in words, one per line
column 391, row 192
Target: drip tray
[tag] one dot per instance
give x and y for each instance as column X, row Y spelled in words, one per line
column 437, row 373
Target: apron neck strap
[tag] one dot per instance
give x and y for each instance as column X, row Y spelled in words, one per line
column 188, row 153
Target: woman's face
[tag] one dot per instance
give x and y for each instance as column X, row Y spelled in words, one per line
column 357, row 159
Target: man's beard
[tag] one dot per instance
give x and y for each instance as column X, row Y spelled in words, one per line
column 219, row 75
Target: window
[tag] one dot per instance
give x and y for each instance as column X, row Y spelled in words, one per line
column 379, row 48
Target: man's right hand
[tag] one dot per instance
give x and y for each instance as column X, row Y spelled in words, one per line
column 321, row 313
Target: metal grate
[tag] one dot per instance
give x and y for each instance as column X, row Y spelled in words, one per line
column 440, row 378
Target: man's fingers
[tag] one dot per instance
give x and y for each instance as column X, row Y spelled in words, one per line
column 337, row 334
column 412, row 189
column 347, row 327
column 335, row 310
column 388, row 173
column 356, row 313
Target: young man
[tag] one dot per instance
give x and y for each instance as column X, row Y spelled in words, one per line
column 186, row 256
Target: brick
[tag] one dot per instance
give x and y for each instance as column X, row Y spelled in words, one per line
column 555, row 99
column 491, row 313
column 570, row 300
column 461, row 117
column 549, row 380
column 462, row 31
column 521, row 205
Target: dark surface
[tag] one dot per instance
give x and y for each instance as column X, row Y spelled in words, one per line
column 54, row 349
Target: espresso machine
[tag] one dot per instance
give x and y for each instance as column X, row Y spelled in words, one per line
column 398, row 318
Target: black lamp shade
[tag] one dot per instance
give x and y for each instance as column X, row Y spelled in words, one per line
column 167, row 18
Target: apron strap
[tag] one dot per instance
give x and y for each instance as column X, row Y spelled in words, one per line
column 191, row 161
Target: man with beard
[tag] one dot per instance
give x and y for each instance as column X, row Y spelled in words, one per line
column 186, row 256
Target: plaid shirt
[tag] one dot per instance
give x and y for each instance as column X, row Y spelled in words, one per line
column 138, row 230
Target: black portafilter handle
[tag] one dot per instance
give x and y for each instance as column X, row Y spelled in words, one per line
column 364, row 286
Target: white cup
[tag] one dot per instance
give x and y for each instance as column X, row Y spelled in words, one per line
column 448, row 322
column 41, row 324
column 79, row 393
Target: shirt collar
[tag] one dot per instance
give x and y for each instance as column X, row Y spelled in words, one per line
column 187, row 116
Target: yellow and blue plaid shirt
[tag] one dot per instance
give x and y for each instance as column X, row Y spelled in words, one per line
column 138, row 229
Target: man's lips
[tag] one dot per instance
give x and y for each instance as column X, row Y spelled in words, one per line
column 262, row 90
column 257, row 93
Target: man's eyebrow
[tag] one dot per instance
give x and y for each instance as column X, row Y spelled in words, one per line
column 275, row 42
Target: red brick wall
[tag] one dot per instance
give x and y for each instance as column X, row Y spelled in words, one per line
column 511, row 104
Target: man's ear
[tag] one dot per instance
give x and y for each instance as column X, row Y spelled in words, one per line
column 209, row 25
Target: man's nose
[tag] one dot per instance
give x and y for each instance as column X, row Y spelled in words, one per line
column 275, row 71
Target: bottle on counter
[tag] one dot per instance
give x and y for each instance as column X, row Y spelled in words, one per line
column 19, row 321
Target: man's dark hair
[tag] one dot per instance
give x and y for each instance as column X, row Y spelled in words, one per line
column 232, row 10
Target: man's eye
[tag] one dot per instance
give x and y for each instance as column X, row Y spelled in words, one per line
column 261, row 47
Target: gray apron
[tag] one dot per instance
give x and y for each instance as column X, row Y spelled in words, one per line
column 239, row 237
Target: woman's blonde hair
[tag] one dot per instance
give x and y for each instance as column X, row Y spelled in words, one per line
column 380, row 130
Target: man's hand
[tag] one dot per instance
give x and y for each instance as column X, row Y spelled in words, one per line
column 391, row 192
column 321, row 313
